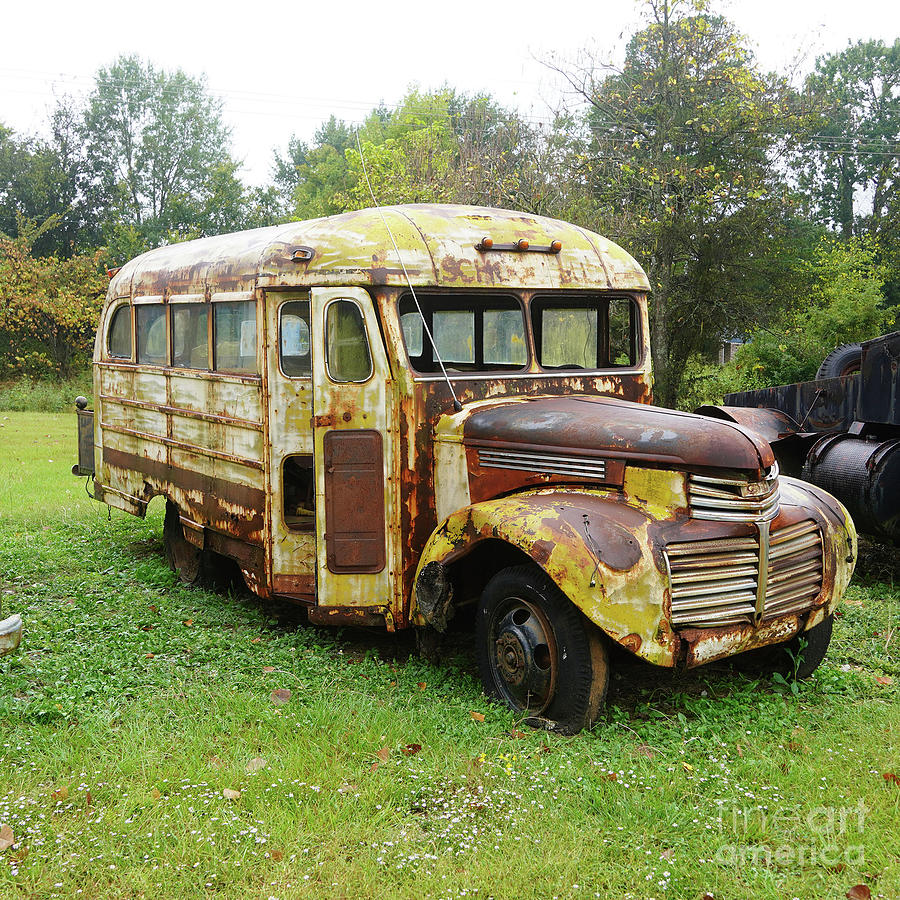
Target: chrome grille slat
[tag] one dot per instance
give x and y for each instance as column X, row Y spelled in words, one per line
column 734, row 499
column 715, row 582
column 544, row 463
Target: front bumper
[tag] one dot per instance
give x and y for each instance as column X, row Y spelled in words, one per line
column 10, row 634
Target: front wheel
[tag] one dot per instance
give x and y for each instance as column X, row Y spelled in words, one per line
column 537, row 653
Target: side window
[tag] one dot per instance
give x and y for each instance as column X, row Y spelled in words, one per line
column 299, row 491
column 235, row 336
column 293, row 338
column 454, row 335
column 118, row 338
column 190, row 338
column 569, row 338
column 622, row 343
column 413, row 332
column 347, row 354
column 151, row 333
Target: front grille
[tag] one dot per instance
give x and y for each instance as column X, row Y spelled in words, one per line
column 546, row 463
column 733, row 499
column 717, row 582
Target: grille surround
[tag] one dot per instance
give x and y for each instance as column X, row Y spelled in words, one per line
column 746, row 580
column 734, row 499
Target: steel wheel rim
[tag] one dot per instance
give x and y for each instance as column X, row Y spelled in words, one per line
column 523, row 655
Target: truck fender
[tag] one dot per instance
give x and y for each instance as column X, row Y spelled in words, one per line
column 596, row 549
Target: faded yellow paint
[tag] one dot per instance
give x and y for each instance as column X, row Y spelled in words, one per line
column 659, row 491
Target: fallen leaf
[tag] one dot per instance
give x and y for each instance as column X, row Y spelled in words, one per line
column 280, row 696
column 667, row 854
column 88, row 799
column 188, row 621
column 411, row 749
column 884, row 679
column 687, row 767
column 268, row 669
column 215, row 762
column 255, row 640
column 155, row 794
column 6, row 837
column 349, row 788
column 373, row 767
column 740, row 750
column 891, row 778
column 477, row 716
column 545, row 748
column 518, row 735
column 256, row 764
column 859, row 892
column 148, row 656
column 61, row 793
column 384, row 753
column 612, row 776
column 276, row 855
column 230, row 794
column 423, row 685
column 644, row 750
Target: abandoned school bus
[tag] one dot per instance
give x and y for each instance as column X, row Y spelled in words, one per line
column 387, row 414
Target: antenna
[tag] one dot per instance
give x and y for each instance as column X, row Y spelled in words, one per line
column 457, row 406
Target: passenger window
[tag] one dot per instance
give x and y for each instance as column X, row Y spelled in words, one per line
column 294, row 344
column 118, row 342
column 413, row 332
column 454, row 335
column 190, row 336
column 151, row 333
column 235, row 336
column 299, row 493
column 504, row 338
column 346, row 344
column 569, row 338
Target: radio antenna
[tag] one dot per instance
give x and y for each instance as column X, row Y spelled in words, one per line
column 457, row 406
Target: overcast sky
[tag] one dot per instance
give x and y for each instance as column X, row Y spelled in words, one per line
column 282, row 68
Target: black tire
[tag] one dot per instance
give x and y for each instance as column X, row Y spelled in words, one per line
column 799, row 657
column 843, row 360
column 538, row 654
column 195, row 567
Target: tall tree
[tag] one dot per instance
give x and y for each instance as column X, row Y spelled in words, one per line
column 681, row 159
column 157, row 152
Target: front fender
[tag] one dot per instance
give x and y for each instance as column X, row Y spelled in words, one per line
column 595, row 547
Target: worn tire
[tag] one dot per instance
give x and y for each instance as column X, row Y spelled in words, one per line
column 195, row 567
column 843, row 360
column 538, row 654
column 781, row 658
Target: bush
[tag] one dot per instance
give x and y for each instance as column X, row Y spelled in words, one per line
column 49, row 307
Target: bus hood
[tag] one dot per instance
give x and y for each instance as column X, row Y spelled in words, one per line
column 618, row 429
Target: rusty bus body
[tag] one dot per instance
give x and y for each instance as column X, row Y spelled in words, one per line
column 277, row 387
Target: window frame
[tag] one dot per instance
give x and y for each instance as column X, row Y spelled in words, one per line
column 362, row 317
column 219, row 301
column 466, row 301
column 174, row 305
column 144, row 303
column 308, row 301
column 541, row 300
column 118, row 306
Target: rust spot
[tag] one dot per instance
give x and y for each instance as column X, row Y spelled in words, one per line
column 631, row 642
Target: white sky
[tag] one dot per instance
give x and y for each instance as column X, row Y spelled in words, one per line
column 283, row 68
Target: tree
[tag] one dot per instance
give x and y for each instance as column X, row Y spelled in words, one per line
column 852, row 165
column 156, row 152
column 681, row 159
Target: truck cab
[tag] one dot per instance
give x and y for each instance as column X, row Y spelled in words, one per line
column 392, row 413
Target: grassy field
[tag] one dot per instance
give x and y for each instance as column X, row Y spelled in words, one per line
column 144, row 753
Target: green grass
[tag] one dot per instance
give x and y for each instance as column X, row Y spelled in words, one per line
column 43, row 395
column 135, row 702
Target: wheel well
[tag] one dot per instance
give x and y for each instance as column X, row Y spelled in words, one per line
column 470, row 573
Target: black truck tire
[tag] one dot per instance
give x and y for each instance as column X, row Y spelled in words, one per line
column 843, row 360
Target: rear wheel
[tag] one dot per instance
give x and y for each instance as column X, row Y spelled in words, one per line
column 843, row 360
column 537, row 653
column 196, row 567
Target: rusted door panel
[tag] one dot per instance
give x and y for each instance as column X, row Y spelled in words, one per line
column 292, row 549
column 354, row 497
column 347, row 415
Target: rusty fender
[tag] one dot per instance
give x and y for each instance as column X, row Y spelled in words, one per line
column 595, row 547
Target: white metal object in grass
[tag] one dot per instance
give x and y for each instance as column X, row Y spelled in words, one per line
column 10, row 634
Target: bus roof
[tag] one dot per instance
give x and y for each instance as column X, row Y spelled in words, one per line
column 437, row 244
